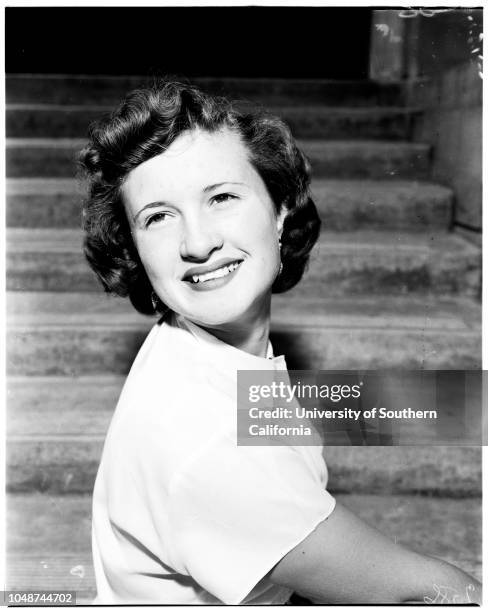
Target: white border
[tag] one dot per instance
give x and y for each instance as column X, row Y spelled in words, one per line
column 195, row 3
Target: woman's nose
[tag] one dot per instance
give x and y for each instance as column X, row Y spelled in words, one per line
column 199, row 241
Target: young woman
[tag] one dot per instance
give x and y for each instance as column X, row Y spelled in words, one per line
column 198, row 212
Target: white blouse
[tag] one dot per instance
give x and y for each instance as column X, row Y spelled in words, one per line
column 181, row 514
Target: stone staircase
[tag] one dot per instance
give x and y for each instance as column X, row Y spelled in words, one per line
column 389, row 286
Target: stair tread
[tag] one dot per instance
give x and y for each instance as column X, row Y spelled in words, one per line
column 45, row 143
column 300, row 107
column 314, row 120
column 363, row 145
column 34, row 185
column 70, row 240
column 112, row 88
column 371, row 186
column 89, row 402
column 343, row 205
column 123, row 78
column 68, row 464
column 335, row 158
column 447, row 315
column 361, row 262
column 307, row 144
column 41, row 533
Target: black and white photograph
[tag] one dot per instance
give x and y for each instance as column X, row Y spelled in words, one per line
column 243, row 290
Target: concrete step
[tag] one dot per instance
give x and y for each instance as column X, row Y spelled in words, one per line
column 56, row 427
column 43, row 203
column 52, row 572
column 73, row 334
column 44, row 551
column 341, row 263
column 88, row 402
column 36, row 120
column 109, row 90
column 347, row 205
column 344, row 205
column 54, row 552
column 56, row 157
column 366, row 262
column 67, row 463
column 47, row 259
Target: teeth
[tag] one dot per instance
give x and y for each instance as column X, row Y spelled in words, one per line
column 215, row 274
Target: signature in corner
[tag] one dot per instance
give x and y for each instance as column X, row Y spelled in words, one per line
column 448, row 595
column 425, row 12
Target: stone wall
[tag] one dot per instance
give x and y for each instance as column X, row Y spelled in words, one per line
column 445, row 39
column 443, row 78
column 452, row 123
column 436, row 53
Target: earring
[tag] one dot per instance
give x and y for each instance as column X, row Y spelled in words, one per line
column 154, row 301
column 281, row 263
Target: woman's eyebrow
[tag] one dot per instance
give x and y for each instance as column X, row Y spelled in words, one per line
column 146, row 206
column 205, row 190
column 217, row 185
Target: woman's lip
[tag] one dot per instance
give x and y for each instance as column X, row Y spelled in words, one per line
column 215, row 283
column 201, row 270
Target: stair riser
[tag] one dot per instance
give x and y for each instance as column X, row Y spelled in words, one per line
column 68, row 352
column 454, row 471
column 33, row 405
column 392, row 164
column 332, row 272
column 61, row 210
column 38, row 161
column 86, row 90
column 55, row 569
column 346, row 211
column 340, row 210
column 88, row 404
column 392, row 273
column 304, row 123
column 94, row 351
column 449, row 529
column 50, row 272
column 70, row 467
column 328, row 161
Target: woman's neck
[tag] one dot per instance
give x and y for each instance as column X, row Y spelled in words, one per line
column 254, row 341
column 250, row 335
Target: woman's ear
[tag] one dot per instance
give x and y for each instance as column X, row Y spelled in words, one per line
column 280, row 219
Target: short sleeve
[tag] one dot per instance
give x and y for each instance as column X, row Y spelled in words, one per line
column 235, row 511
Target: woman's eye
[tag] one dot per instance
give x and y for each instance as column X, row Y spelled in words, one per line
column 222, row 197
column 156, row 218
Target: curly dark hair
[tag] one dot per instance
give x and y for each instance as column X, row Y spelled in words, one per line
column 143, row 126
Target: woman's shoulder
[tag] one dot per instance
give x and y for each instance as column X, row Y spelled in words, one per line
column 168, row 401
column 166, row 344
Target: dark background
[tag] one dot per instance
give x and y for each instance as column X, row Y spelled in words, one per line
column 196, row 41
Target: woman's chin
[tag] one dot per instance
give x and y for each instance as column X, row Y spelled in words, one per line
column 226, row 309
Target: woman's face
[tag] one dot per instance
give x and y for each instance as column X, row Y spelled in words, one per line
column 205, row 228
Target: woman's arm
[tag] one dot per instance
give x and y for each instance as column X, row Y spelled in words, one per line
column 344, row 560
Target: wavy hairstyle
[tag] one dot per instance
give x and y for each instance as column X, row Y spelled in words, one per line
column 143, row 126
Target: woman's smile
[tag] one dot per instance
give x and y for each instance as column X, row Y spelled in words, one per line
column 206, row 278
